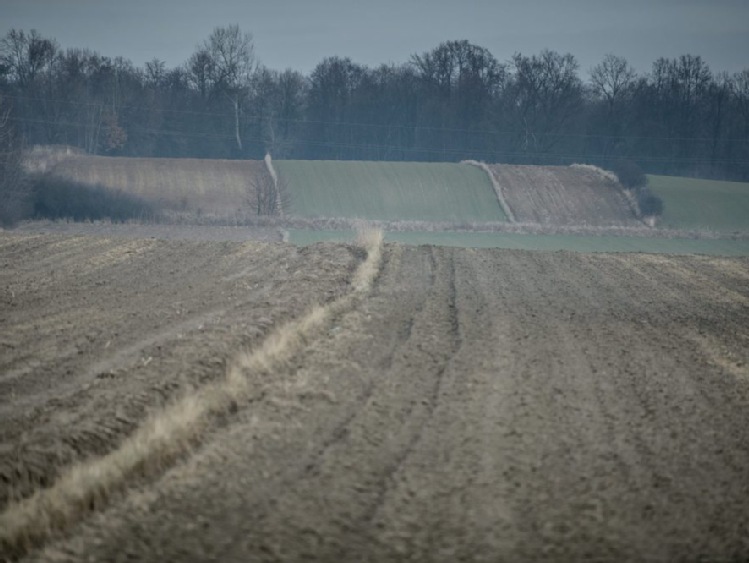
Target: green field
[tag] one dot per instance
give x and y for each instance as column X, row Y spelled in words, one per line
column 390, row 190
column 691, row 203
column 575, row 243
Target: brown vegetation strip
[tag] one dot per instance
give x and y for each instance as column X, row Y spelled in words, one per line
column 170, row 433
column 205, row 186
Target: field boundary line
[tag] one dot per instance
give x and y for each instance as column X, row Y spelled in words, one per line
column 274, row 176
column 170, row 433
column 497, row 188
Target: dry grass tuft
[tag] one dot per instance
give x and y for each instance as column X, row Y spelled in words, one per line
column 171, row 432
column 605, row 174
column 371, row 239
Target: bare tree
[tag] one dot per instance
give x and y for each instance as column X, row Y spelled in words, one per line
column 25, row 56
column 155, row 72
column 13, row 186
column 613, row 83
column 739, row 85
column 278, row 100
column 457, row 65
column 613, row 79
column 200, row 72
column 232, row 60
column 545, row 95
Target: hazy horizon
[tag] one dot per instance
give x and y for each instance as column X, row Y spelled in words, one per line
column 298, row 34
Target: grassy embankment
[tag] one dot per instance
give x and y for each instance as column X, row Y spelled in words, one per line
column 392, row 191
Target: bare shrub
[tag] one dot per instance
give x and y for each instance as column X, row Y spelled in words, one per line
column 630, row 175
column 651, row 205
column 281, row 205
column 269, row 193
column 262, row 194
column 646, row 205
column 268, row 196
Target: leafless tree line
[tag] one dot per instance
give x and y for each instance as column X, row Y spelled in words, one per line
column 454, row 102
column 14, row 199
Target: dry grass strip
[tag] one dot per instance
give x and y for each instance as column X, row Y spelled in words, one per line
column 272, row 171
column 171, row 432
column 497, row 188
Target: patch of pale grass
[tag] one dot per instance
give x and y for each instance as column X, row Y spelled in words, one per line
column 171, row 432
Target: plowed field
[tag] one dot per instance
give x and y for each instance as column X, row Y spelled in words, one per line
column 472, row 405
column 563, row 195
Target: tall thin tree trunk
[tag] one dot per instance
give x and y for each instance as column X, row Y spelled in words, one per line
column 236, row 123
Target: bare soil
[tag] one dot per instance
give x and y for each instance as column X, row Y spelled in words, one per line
column 563, row 196
column 476, row 405
column 97, row 332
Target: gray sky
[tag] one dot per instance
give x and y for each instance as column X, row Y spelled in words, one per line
column 300, row 33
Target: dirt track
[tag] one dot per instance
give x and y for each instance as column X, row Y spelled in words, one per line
column 476, row 406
